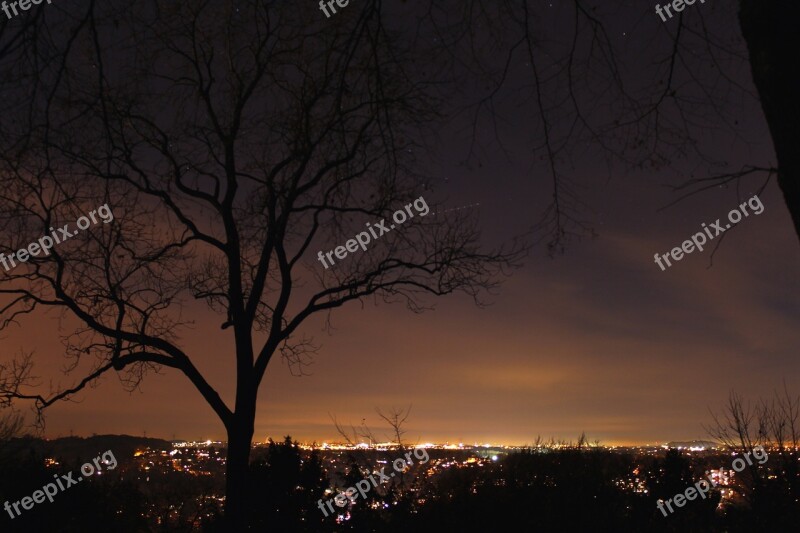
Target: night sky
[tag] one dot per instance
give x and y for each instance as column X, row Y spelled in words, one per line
column 596, row 340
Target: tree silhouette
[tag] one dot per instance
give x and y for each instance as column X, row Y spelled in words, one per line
column 670, row 476
column 11, row 424
column 611, row 83
column 772, row 490
column 284, row 488
column 769, row 28
column 230, row 143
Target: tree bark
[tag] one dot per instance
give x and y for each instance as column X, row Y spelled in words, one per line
column 237, row 471
column 770, row 29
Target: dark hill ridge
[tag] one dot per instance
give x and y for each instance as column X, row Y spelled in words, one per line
column 81, row 449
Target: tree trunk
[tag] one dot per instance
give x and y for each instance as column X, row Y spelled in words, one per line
column 240, row 438
column 770, row 30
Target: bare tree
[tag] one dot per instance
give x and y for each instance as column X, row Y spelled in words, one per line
column 741, row 425
column 407, row 481
column 611, row 82
column 230, row 143
column 11, row 424
column 771, row 423
column 395, row 419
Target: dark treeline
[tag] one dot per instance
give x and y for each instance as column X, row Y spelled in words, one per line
column 542, row 489
column 106, row 503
